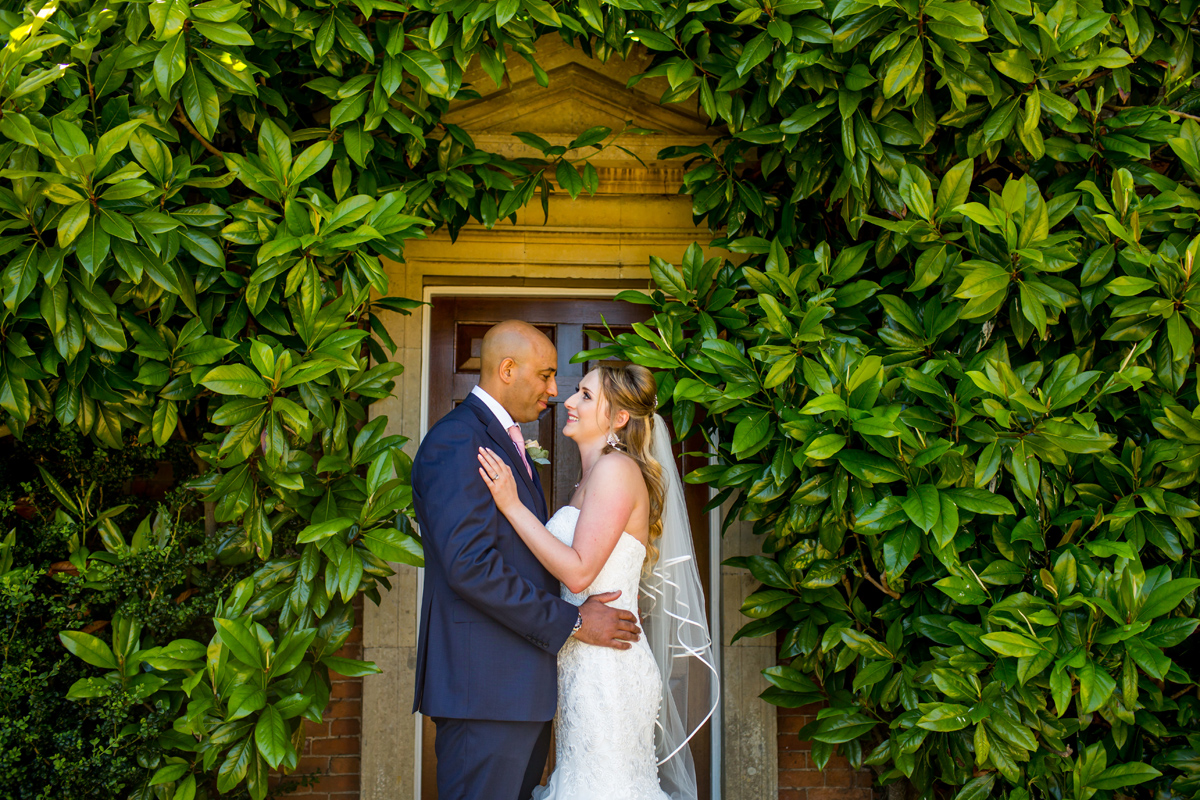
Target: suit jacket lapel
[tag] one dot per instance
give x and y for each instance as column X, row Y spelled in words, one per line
column 501, row 437
column 539, row 493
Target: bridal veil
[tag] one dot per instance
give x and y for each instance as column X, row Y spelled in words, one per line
column 676, row 628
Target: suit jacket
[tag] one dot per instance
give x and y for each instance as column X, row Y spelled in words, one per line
column 492, row 621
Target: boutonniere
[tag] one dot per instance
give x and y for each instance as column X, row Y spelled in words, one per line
column 536, row 452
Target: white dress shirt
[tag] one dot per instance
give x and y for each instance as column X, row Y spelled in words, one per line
column 501, row 413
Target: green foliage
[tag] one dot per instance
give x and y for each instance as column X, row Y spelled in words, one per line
column 85, row 756
column 950, row 376
column 195, row 203
column 52, row 745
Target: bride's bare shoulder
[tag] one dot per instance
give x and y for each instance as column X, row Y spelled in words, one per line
column 620, row 468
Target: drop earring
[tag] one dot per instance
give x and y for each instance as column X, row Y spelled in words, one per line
column 613, row 441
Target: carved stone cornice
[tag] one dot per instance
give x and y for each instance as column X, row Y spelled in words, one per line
column 584, row 93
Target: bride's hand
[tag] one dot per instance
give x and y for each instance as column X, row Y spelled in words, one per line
column 499, row 479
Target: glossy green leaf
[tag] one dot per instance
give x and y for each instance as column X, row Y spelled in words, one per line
column 271, row 736
column 89, row 648
column 350, row 667
column 241, row 641
column 1120, row 775
column 1011, row 644
column 236, row 379
column 923, row 506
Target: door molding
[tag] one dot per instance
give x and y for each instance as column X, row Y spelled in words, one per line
column 714, row 516
column 485, row 291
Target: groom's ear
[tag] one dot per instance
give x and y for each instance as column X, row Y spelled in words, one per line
column 507, row 368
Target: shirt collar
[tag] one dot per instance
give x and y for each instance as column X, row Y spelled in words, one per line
column 506, row 420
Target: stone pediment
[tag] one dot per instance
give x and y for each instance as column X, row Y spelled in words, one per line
column 582, row 93
column 576, row 99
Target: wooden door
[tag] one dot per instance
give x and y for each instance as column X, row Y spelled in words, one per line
column 456, row 333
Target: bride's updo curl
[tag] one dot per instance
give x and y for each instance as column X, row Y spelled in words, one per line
column 632, row 389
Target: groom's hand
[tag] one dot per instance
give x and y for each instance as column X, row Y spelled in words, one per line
column 604, row 626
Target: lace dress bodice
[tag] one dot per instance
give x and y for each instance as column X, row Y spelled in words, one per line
column 622, row 571
column 607, row 699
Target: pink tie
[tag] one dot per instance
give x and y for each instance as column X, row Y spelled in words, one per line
column 515, row 434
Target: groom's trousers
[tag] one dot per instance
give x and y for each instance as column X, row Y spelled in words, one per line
column 480, row 759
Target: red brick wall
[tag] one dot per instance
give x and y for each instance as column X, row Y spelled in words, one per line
column 333, row 748
column 799, row 778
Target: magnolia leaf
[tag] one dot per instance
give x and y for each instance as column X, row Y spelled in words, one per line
column 89, row 648
column 271, row 736
column 923, row 507
column 945, row 717
column 323, row 530
column 350, row 667
column 236, row 379
column 1121, row 775
column 239, row 637
column 1166, row 597
column 1014, row 645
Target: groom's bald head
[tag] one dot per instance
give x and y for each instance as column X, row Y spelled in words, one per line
column 517, row 367
column 510, row 339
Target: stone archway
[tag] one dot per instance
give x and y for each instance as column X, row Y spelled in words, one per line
column 593, row 246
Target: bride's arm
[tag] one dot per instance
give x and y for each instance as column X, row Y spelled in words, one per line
column 602, row 520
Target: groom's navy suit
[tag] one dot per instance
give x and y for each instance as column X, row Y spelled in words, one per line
column 492, row 622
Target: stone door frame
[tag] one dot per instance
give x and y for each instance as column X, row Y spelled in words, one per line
column 714, row 516
column 745, row 757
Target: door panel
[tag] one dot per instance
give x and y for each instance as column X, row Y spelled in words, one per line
column 457, row 327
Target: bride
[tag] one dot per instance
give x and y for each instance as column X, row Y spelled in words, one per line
column 623, row 715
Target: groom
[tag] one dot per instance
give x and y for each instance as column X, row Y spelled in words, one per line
column 492, row 621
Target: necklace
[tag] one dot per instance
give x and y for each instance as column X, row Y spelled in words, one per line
column 585, row 474
column 583, row 477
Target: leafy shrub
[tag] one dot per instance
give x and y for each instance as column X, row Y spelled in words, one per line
column 950, row 379
column 195, row 203
column 950, row 376
column 52, row 745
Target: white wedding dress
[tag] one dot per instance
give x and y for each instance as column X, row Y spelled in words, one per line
column 607, row 699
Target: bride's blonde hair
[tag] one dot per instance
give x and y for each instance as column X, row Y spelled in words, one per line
column 632, row 389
